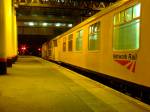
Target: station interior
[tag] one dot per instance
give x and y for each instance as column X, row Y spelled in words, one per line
column 31, row 82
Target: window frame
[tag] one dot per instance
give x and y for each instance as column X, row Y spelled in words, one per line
column 79, row 35
column 70, row 40
column 64, row 49
column 125, row 23
column 92, row 32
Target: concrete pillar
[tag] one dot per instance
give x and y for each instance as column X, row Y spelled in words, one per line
column 8, row 30
column 15, row 38
column 3, row 56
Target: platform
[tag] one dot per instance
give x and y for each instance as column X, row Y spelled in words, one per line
column 36, row 85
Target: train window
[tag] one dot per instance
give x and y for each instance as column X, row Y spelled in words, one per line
column 128, row 14
column 64, row 44
column 70, row 38
column 116, row 19
column 122, row 17
column 94, row 30
column 136, row 11
column 126, row 36
column 50, row 48
column 79, row 37
column 55, row 43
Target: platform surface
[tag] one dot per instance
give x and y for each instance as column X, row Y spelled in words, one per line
column 36, row 85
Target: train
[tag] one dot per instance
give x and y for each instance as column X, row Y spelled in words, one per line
column 114, row 43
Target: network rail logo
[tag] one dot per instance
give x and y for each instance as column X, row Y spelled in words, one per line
column 126, row 59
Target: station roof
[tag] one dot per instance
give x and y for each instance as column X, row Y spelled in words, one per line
column 41, row 20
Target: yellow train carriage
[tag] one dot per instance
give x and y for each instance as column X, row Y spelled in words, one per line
column 114, row 43
column 92, row 43
column 44, row 51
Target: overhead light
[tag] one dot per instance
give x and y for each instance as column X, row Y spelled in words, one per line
column 61, row 1
column 69, row 25
column 45, row 0
column 44, row 24
column 31, row 24
column 58, row 24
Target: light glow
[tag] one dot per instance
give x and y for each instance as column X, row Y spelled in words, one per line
column 69, row 25
column 44, row 24
column 31, row 24
column 39, row 49
column 58, row 24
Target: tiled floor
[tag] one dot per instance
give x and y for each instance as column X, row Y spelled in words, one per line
column 36, row 85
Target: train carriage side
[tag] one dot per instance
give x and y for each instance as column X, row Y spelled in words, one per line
column 54, row 50
column 143, row 56
column 44, row 51
column 73, row 48
column 103, row 53
column 125, row 43
column 114, row 43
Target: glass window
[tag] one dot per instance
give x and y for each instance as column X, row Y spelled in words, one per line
column 116, row 19
column 55, row 43
column 64, row 44
column 122, row 17
column 79, row 37
column 50, row 48
column 128, row 14
column 136, row 10
column 94, row 35
column 70, row 37
column 126, row 36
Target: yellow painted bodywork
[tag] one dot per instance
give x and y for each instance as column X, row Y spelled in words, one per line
column 102, row 60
